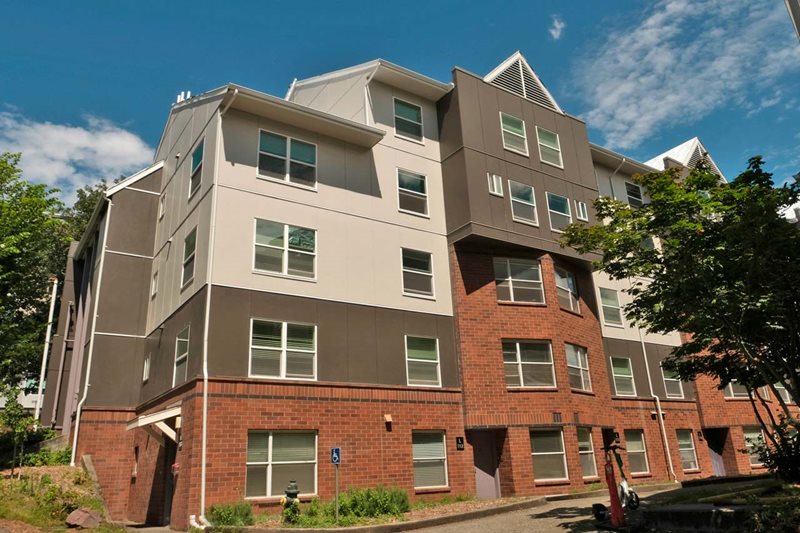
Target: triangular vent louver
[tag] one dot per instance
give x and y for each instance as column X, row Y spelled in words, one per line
column 518, row 79
column 697, row 155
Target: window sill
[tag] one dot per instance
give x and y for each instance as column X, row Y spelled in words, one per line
column 518, row 152
column 692, row 471
column 526, row 222
column 550, row 482
column 737, row 399
column 591, row 479
column 420, row 296
column 561, row 166
column 414, row 214
column 283, row 276
column 570, row 311
column 187, row 284
column 527, row 304
column 641, row 475
column 623, row 397
column 420, row 142
column 583, row 392
column 280, row 379
column 273, row 500
column 287, row 182
column 431, row 490
column 495, row 194
column 616, row 326
column 532, row 389
column 192, row 194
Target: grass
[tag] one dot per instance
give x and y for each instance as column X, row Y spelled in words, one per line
column 447, row 500
column 734, row 493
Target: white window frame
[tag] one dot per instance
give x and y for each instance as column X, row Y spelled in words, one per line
column 587, row 452
column 162, row 206
column 614, row 377
column 525, row 202
column 284, row 340
column 424, row 196
column 563, row 454
column 269, row 463
column 618, row 307
column 199, row 168
column 179, row 358
column 731, row 394
column 146, row 368
column 558, row 148
column 643, row 451
column 640, row 200
column 518, row 363
column 581, row 211
column 403, row 269
column 284, row 273
column 421, row 122
column 748, row 445
column 288, row 164
column 666, row 389
column 550, row 211
column 536, row 264
column 495, row 184
column 780, row 388
column 154, row 285
column 694, row 451
column 583, row 358
column 444, row 458
column 192, row 257
column 574, row 297
column 503, row 133
column 438, row 362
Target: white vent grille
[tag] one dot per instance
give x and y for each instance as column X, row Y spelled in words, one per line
column 520, row 80
column 697, row 155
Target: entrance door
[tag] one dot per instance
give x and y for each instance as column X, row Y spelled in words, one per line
column 486, row 460
column 716, row 438
column 170, row 452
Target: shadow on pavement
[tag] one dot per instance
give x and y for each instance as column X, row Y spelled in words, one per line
column 573, row 516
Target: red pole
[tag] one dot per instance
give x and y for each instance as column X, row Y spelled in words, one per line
column 617, row 514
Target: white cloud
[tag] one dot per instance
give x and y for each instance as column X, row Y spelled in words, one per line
column 67, row 156
column 685, row 59
column 557, row 27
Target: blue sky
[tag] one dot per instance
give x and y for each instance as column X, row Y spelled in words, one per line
column 86, row 86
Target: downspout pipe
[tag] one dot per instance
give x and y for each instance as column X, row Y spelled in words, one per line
column 57, row 395
column 611, row 177
column 96, row 298
column 45, row 351
column 207, row 318
column 659, row 412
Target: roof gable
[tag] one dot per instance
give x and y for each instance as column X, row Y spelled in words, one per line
column 687, row 154
column 516, row 75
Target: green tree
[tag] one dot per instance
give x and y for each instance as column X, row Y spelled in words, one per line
column 33, row 244
column 15, row 420
column 725, row 268
column 80, row 213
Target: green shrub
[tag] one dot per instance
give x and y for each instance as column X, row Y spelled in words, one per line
column 231, row 514
column 46, row 457
column 780, row 516
column 370, row 503
column 291, row 511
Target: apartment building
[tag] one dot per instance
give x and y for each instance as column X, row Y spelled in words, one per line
column 369, row 263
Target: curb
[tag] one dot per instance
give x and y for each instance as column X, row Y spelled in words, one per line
column 640, row 489
column 407, row 526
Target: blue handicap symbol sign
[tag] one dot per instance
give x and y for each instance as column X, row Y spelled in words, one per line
column 336, row 456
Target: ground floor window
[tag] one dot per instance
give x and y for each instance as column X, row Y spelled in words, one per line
column 586, row 450
column 430, row 459
column 549, row 460
column 686, row 448
column 275, row 458
column 753, row 436
column 637, row 451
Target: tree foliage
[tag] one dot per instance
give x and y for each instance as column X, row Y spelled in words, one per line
column 80, row 213
column 725, row 268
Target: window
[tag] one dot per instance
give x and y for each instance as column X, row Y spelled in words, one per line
column 612, row 313
column 637, row 451
column 567, row 289
column 430, row 459
column 513, row 131
column 495, row 184
column 286, row 159
column 622, row 372
column 407, row 120
column 518, row 280
column 282, row 350
column 560, row 214
column 549, row 147
column 686, row 449
column 197, row 169
column 154, row 285
column 781, row 390
column 753, row 436
column 274, row 459
column 162, row 206
column 422, row 361
column 285, row 249
column 735, row 390
column 412, row 193
column 523, row 203
column 586, row 451
column 549, row 459
column 528, row 364
column 578, row 368
column 417, row 273
column 672, row 383
column 146, row 369
column 181, row 357
column 189, row 247
column 581, row 211
column 634, row 193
